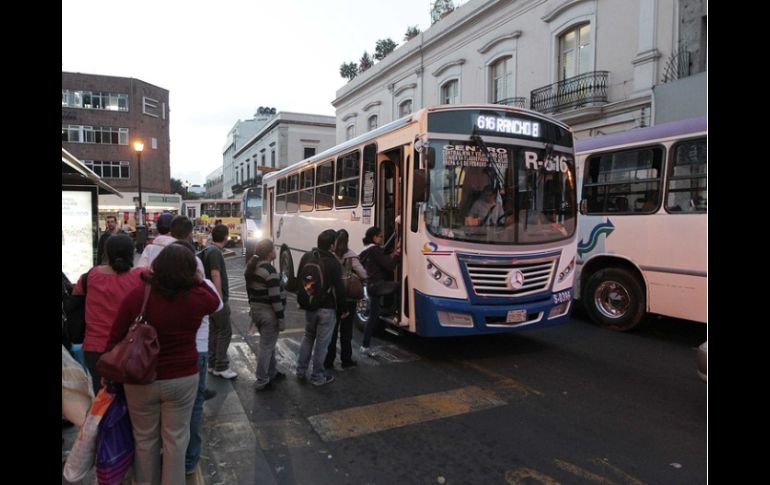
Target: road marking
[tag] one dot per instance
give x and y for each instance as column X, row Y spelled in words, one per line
column 524, row 475
column 503, row 382
column 625, row 476
column 373, row 418
column 582, row 473
column 284, row 433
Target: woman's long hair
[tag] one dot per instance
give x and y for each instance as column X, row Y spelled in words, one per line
column 173, row 271
column 341, row 243
column 261, row 253
column 120, row 252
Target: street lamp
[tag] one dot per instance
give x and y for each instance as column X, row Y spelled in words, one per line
column 138, row 147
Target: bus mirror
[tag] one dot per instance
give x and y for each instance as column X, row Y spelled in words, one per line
column 419, row 185
column 583, row 206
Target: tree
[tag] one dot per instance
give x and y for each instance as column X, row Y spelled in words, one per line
column 177, row 187
column 349, row 70
column 411, row 32
column 383, row 48
column 439, row 9
column 365, row 62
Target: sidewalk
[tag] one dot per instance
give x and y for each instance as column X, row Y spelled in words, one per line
column 230, row 453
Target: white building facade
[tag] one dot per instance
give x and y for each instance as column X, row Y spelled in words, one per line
column 592, row 64
column 284, row 139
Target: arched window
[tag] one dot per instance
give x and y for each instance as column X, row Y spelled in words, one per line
column 501, row 74
column 372, row 122
column 350, row 132
column 450, row 92
column 575, row 52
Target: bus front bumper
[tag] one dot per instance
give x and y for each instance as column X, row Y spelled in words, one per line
column 447, row 317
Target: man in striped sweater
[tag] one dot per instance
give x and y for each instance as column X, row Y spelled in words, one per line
column 267, row 299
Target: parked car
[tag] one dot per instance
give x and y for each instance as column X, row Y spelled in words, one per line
column 702, row 360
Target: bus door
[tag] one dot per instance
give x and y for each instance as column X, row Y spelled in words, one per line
column 389, row 206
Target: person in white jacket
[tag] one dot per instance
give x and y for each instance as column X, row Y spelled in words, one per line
column 172, row 229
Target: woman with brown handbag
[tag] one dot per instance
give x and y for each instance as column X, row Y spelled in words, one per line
column 354, row 277
column 160, row 411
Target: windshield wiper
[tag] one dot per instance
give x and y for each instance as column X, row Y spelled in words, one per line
column 499, row 179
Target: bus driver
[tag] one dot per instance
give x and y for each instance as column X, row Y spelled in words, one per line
column 486, row 211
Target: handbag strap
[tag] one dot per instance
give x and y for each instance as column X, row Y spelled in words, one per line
column 140, row 317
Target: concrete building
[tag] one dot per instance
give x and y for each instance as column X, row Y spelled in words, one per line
column 102, row 117
column 214, row 184
column 284, row 139
column 593, row 64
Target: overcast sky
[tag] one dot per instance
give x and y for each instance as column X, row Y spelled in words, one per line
column 222, row 60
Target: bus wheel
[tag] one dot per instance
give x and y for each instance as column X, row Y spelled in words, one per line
column 287, row 267
column 614, row 298
column 361, row 314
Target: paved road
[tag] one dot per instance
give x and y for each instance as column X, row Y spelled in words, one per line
column 570, row 404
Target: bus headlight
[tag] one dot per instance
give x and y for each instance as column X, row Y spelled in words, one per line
column 439, row 274
column 567, row 270
column 255, row 234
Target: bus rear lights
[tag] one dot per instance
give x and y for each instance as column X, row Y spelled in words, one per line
column 567, row 270
column 559, row 310
column 452, row 319
column 439, row 274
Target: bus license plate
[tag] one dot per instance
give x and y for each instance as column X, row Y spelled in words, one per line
column 516, row 316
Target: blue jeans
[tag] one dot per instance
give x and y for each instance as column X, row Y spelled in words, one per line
column 193, row 454
column 319, row 325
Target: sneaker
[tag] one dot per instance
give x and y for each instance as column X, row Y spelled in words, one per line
column 226, row 374
column 190, row 472
column 211, row 370
column 368, row 351
column 279, row 376
column 349, row 363
column 208, row 394
column 327, row 380
column 263, row 387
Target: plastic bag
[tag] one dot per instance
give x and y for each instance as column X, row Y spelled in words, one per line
column 114, row 441
column 83, row 453
column 77, row 393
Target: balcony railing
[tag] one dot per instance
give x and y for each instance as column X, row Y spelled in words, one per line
column 587, row 89
column 238, row 188
column 519, row 102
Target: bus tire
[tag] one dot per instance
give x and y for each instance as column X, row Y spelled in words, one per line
column 614, row 298
column 286, row 268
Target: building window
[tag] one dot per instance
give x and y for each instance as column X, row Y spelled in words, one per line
column 372, row 122
column 575, row 55
column 308, row 152
column 154, row 143
column 272, row 158
column 450, row 92
column 262, row 158
column 350, row 132
column 405, row 108
column 108, row 169
column 94, row 100
column 502, row 81
column 89, row 134
column 150, row 106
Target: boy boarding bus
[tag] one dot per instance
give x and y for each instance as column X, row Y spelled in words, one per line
column 643, row 224
column 480, row 199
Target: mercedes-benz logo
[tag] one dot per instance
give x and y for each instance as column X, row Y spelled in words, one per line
column 515, row 279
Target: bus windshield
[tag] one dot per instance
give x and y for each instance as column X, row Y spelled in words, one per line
column 252, row 208
column 500, row 192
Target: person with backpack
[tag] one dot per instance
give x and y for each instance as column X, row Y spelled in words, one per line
column 321, row 293
column 352, row 270
column 267, row 299
column 379, row 267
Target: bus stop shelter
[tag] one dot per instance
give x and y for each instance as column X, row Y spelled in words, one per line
column 80, row 189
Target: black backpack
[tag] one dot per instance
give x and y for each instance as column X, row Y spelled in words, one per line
column 311, row 290
column 74, row 309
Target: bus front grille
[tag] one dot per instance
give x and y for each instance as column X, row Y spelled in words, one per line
column 512, row 278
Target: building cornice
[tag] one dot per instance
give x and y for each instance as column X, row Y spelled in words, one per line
column 403, row 88
column 349, row 116
column 513, row 35
column 458, row 62
column 646, row 56
column 371, row 105
column 559, row 9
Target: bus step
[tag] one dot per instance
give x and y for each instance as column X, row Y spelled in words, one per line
column 393, row 331
column 390, row 320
